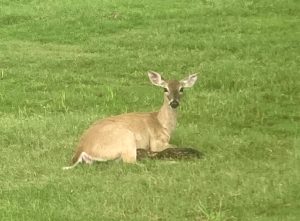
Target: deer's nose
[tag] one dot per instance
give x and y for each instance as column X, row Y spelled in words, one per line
column 174, row 104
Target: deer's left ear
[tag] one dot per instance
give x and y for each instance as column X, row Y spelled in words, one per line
column 189, row 81
column 156, row 79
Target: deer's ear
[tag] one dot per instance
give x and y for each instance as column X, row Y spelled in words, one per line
column 189, row 81
column 156, row 79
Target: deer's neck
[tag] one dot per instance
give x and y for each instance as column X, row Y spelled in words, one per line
column 167, row 116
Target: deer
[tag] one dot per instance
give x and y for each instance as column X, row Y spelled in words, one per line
column 119, row 137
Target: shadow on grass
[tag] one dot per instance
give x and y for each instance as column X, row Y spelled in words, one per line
column 179, row 153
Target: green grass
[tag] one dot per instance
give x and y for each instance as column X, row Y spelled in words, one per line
column 64, row 64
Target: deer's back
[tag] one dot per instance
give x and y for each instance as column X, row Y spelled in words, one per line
column 138, row 126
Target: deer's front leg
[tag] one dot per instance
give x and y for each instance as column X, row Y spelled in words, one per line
column 160, row 143
column 171, row 146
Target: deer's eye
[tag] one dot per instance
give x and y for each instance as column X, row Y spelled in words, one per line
column 181, row 90
column 166, row 89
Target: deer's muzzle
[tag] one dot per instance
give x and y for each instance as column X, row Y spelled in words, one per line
column 174, row 104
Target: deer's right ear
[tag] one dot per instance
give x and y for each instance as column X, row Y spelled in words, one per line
column 156, row 79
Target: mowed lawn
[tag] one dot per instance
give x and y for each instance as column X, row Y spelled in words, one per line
column 65, row 64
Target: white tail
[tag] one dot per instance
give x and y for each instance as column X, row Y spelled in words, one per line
column 119, row 137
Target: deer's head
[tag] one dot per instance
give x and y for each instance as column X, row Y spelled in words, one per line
column 173, row 89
